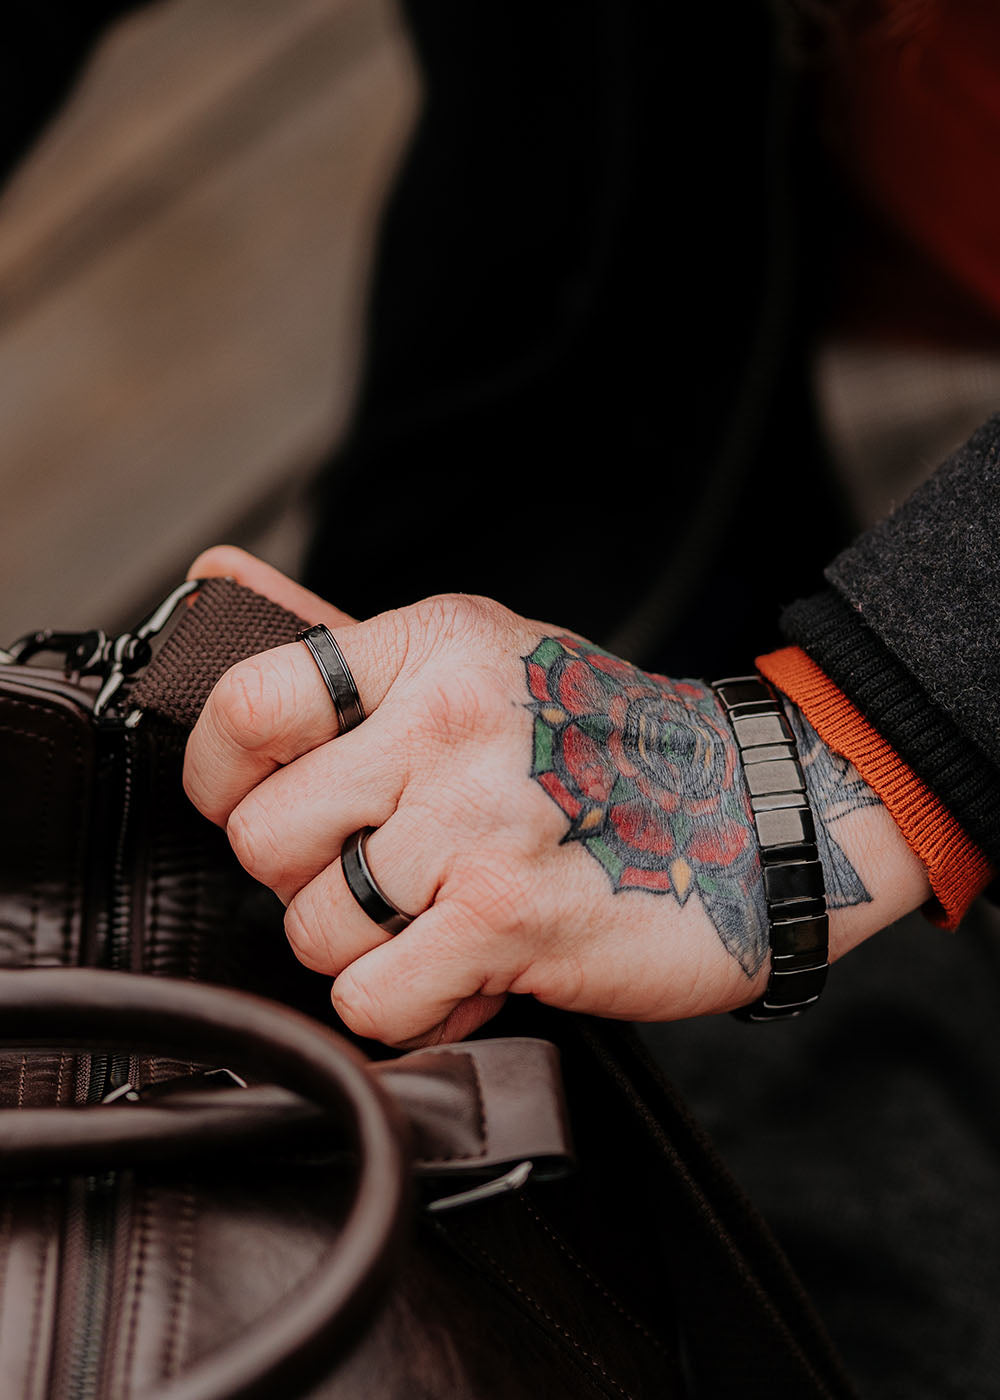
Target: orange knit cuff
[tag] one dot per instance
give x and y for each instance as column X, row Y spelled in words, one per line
column 957, row 869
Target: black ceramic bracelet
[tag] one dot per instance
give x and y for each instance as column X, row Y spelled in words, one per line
column 798, row 926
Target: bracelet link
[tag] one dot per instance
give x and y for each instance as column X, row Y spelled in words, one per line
column 794, row 887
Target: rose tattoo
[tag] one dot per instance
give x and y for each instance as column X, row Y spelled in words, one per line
column 647, row 772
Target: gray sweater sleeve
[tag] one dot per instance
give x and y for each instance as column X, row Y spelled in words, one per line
column 909, row 628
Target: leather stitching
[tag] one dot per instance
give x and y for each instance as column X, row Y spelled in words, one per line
column 543, row 1312
column 38, row 1293
column 182, row 1281
column 61, row 1076
column 608, row 1297
column 136, row 1279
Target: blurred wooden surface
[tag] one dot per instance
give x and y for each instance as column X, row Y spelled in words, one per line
column 184, row 261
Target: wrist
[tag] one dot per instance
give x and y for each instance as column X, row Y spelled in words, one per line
column 894, row 878
column 873, row 876
column 956, row 868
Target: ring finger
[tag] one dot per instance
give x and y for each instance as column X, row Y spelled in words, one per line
column 325, row 922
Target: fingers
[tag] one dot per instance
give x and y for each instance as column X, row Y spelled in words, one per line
column 271, row 709
column 421, row 984
column 440, row 978
column 227, row 561
column 263, row 713
column 326, row 925
column 267, row 711
column 261, row 761
column 292, row 825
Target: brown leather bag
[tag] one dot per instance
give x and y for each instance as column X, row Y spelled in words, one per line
column 209, row 1190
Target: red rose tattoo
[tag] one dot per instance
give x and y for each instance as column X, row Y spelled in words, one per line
column 646, row 770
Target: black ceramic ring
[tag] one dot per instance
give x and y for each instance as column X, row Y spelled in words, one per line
column 336, row 675
column 365, row 888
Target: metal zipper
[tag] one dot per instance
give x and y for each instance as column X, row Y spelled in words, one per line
column 98, row 1202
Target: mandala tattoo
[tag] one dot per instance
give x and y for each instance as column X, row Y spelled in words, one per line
column 646, row 770
column 835, row 788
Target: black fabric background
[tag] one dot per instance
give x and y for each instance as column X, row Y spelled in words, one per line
column 585, row 373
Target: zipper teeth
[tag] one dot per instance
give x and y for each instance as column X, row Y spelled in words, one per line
column 88, row 1334
column 116, row 949
column 99, row 1201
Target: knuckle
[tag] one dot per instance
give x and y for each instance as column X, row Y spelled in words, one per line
column 461, row 617
column 455, row 647
column 246, row 703
column 305, row 934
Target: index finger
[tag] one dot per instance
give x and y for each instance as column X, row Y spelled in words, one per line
column 270, row 709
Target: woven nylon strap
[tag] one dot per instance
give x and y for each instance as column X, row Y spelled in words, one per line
column 224, row 624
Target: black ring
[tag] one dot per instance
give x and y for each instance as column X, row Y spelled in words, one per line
column 365, row 888
column 336, row 675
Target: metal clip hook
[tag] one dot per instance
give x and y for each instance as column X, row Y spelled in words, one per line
column 131, row 651
column 94, row 653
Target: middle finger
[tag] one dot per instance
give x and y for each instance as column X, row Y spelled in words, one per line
column 294, row 823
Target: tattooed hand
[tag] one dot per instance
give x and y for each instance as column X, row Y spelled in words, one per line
column 559, row 822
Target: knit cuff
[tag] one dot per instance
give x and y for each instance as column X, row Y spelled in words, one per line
column 926, row 737
column 957, row 869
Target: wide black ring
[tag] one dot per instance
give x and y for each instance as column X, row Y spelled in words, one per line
column 336, row 675
column 365, row 888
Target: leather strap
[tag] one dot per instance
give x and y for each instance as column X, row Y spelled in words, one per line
column 482, row 1105
column 473, row 1109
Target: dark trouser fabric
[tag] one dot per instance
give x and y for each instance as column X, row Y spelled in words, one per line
column 867, row 1132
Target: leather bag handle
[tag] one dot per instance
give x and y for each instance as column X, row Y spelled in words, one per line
column 473, row 1110
column 316, row 1322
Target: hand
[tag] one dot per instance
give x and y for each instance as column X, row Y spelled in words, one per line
column 559, row 822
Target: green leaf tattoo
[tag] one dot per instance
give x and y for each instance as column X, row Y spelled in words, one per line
column 646, row 770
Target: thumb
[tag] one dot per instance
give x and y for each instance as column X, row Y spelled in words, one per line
column 227, row 561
